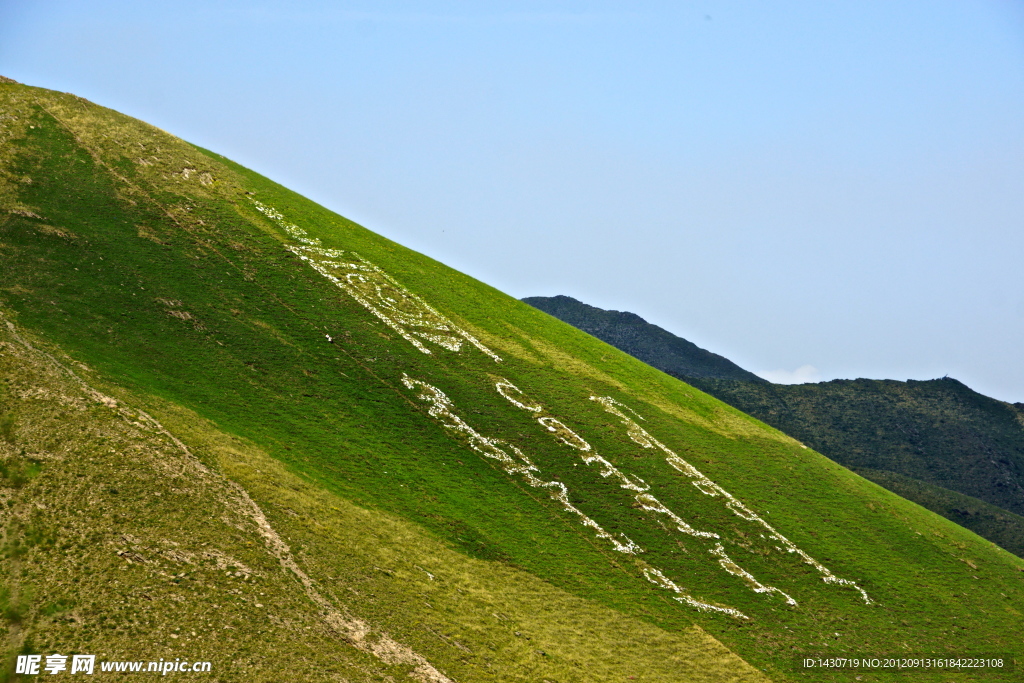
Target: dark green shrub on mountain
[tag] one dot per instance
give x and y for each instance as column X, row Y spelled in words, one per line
column 939, row 431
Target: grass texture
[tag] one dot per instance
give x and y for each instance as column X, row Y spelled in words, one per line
column 333, row 450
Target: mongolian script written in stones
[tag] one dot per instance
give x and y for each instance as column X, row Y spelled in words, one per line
column 709, row 488
column 398, row 308
column 639, row 488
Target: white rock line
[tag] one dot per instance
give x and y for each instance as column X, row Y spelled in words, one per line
column 647, row 502
column 662, row 581
column 736, row 570
column 512, row 394
column 294, row 231
column 443, row 410
column 382, row 295
column 401, row 310
column 640, row 436
column 570, row 438
column 631, row 482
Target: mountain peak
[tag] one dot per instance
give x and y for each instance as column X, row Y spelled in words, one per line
column 644, row 341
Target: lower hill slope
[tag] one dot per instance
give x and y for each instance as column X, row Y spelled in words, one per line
column 327, row 448
column 1000, row 526
column 124, row 542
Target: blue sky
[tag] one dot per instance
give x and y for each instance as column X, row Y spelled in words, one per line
column 817, row 189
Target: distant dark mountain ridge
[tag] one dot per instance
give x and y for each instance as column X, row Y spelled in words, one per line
column 653, row 345
column 937, row 442
column 937, row 431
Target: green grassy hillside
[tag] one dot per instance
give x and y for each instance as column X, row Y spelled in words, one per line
column 123, row 542
column 1003, row 528
column 937, row 443
column 417, row 473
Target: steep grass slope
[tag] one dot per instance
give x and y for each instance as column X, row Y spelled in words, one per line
column 936, row 443
column 1000, row 526
column 123, row 542
column 459, row 478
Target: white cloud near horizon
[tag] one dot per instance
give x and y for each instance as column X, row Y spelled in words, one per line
column 802, row 375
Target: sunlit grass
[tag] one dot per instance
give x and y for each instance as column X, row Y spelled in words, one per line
column 177, row 292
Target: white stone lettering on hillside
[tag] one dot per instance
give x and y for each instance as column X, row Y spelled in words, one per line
column 607, row 470
column 510, row 392
column 443, row 410
column 294, row 231
column 736, row 570
column 640, row 436
column 662, row 581
column 398, row 308
column 648, row 502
